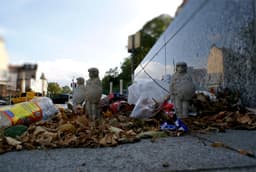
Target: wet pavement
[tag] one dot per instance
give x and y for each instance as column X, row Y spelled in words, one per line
column 185, row 153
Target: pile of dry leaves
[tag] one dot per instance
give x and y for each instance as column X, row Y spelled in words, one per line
column 70, row 130
column 221, row 121
column 226, row 112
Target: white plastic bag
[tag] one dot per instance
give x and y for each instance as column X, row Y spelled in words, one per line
column 142, row 94
column 148, row 89
column 211, row 96
column 143, row 108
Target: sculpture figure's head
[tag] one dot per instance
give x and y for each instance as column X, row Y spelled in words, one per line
column 93, row 72
column 80, row 81
column 181, row 67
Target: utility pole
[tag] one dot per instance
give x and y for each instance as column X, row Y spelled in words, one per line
column 134, row 42
column 73, row 84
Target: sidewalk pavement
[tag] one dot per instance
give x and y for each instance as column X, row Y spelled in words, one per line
column 185, row 153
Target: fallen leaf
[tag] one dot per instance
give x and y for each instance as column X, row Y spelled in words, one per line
column 71, row 140
column 218, row 144
column 115, row 130
column 247, row 153
column 66, row 127
column 108, row 140
column 244, row 119
column 13, row 142
column 150, row 134
column 82, row 121
column 39, row 130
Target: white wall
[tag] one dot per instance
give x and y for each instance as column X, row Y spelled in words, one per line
column 39, row 85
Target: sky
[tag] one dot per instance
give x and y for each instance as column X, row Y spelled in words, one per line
column 66, row 37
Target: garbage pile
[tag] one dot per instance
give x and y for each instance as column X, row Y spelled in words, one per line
column 67, row 129
column 115, row 103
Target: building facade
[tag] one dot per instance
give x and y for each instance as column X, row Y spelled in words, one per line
column 19, row 78
column 4, row 61
column 217, row 41
column 25, row 78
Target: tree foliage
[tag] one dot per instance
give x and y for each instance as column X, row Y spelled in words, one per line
column 126, row 72
column 112, row 75
column 150, row 33
column 157, row 26
column 113, row 72
column 54, row 88
column 66, row 89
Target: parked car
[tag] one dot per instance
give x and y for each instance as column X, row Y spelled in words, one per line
column 60, row 98
column 4, row 102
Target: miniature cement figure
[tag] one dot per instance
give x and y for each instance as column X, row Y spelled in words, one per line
column 78, row 94
column 93, row 92
column 181, row 89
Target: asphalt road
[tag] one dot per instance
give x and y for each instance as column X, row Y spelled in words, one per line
column 185, row 153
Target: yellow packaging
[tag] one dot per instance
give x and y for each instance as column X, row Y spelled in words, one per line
column 22, row 113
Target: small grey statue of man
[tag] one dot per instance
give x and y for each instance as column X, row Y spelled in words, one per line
column 182, row 89
column 78, row 97
column 93, row 92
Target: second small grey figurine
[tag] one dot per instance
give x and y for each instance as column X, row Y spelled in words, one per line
column 78, row 94
column 93, row 92
column 182, row 89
